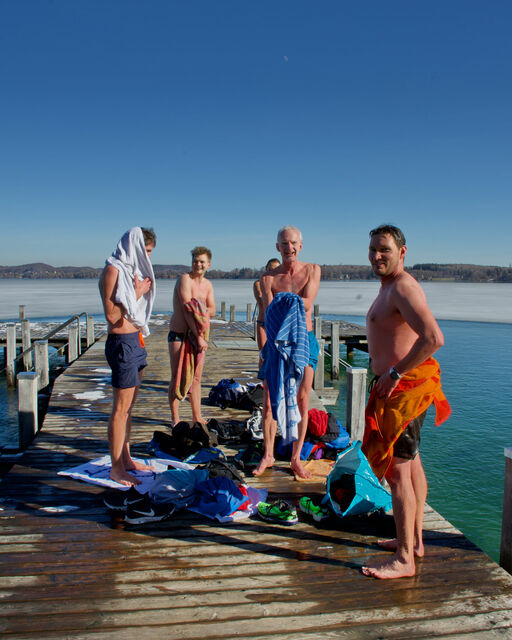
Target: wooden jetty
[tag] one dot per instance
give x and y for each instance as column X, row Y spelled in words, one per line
column 84, row 573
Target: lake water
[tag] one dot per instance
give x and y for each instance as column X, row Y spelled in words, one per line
column 463, row 458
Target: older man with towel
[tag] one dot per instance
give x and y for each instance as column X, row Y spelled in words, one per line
column 127, row 287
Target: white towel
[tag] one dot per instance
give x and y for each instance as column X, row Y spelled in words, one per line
column 130, row 259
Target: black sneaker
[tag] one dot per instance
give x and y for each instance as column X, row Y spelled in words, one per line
column 118, row 500
column 146, row 511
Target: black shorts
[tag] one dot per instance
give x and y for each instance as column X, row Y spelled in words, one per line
column 126, row 358
column 408, row 444
column 175, row 336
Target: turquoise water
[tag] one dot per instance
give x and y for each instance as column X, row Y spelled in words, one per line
column 463, row 458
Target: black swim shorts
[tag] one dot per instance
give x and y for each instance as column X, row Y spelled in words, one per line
column 408, row 444
column 126, row 357
column 175, row 336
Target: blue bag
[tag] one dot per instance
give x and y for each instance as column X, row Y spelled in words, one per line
column 352, row 487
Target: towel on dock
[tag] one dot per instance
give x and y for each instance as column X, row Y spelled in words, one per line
column 386, row 419
column 130, row 259
column 189, row 354
column 286, row 356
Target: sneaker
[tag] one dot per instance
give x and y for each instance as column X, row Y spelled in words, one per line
column 144, row 511
column 278, row 511
column 119, row 500
column 316, row 511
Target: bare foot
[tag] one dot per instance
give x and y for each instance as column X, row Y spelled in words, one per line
column 298, row 470
column 389, row 569
column 123, row 477
column 265, row 463
column 132, row 465
column 390, row 545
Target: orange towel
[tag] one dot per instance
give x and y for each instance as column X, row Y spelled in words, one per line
column 188, row 353
column 386, row 419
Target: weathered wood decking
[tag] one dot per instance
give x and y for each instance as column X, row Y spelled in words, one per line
column 85, row 574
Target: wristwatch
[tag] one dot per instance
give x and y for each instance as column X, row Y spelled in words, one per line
column 394, row 375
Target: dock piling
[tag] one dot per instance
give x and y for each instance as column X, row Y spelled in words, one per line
column 41, row 363
column 27, row 407
column 26, row 344
column 21, row 312
column 89, row 329
column 73, row 343
column 335, row 350
column 223, row 310
column 356, row 402
column 10, row 355
column 232, row 313
column 506, row 524
column 319, row 379
column 249, row 311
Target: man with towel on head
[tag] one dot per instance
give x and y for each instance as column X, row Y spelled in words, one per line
column 193, row 306
column 127, row 287
column 402, row 337
column 290, row 354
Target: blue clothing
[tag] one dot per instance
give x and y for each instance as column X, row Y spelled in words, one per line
column 287, row 354
column 314, row 350
column 126, row 358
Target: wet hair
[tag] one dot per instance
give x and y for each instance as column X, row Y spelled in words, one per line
column 289, row 227
column 272, row 261
column 149, row 235
column 199, row 251
column 390, row 230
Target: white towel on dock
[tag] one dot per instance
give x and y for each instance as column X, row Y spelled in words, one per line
column 130, row 259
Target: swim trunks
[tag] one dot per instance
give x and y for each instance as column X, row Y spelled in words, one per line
column 175, row 336
column 126, row 357
column 408, row 444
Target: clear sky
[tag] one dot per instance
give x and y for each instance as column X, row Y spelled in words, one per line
column 218, row 121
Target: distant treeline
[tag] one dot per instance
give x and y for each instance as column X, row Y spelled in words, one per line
column 428, row 271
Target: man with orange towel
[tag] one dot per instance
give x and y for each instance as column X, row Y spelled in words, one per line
column 402, row 337
column 193, row 306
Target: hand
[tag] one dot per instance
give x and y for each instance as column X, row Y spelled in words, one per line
column 202, row 345
column 385, row 385
column 141, row 286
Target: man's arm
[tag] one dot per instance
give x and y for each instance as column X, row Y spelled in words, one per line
column 310, row 290
column 266, row 292
column 108, row 281
column 411, row 303
column 184, row 285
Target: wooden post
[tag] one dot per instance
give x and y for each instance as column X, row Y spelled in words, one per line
column 78, row 337
column 318, row 380
column 506, row 524
column 317, row 327
column 316, row 310
column 232, row 313
column 22, row 312
column 10, row 355
column 89, row 330
column 249, row 311
column 42, row 363
column 26, row 343
column 72, row 342
column 27, row 407
column 356, row 402
column 335, row 350
column 223, row 310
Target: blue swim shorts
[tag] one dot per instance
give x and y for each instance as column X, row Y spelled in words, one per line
column 126, row 357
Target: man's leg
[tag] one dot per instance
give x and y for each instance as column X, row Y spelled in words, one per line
column 119, row 434
column 401, row 564
column 174, row 403
column 195, row 389
column 303, row 404
column 269, row 426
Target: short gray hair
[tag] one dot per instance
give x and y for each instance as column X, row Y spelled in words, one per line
column 289, row 227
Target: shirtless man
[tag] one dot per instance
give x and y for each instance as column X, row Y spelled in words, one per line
column 190, row 285
column 402, row 334
column 303, row 279
column 127, row 359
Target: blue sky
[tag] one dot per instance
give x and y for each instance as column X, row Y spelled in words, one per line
column 217, row 122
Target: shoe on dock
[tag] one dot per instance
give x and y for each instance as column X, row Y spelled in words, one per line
column 278, row 511
column 144, row 511
column 316, row 511
column 118, row 500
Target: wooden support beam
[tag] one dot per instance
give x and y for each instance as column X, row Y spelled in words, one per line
column 89, row 330
column 317, row 327
column 506, row 524
column 72, row 342
column 223, row 310
column 316, row 310
column 27, row 407
column 10, row 354
column 356, row 402
column 249, row 311
column 21, row 312
column 318, row 380
column 41, row 361
column 232, row 313
column 26, row 343
column 335, row 350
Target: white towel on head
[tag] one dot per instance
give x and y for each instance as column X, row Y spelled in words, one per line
column 130, row 259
